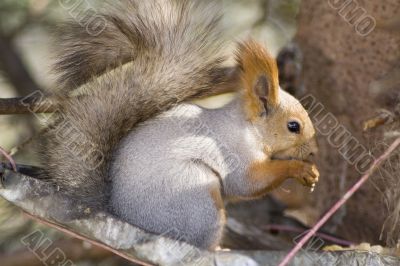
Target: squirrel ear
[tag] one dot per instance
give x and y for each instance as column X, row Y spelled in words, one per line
column 260, row 79
column 262, row 90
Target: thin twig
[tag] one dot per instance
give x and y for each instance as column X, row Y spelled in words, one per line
column 9, row 158
column 292, row 229
column 340, row 203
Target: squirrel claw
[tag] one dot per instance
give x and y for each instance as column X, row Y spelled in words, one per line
column 307, row 174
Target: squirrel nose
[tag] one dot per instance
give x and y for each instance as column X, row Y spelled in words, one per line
column 311, row 157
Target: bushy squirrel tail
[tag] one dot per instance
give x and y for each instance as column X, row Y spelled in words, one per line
column 152, row 55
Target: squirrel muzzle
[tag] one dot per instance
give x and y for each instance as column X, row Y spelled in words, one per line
column 304, row 152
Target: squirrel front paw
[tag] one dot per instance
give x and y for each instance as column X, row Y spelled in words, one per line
column 306, row 173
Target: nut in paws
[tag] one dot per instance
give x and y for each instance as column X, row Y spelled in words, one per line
column 307, row 174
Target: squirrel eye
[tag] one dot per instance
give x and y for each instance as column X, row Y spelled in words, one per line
column 294, row 127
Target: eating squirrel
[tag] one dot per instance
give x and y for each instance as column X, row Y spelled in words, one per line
column 128, row 140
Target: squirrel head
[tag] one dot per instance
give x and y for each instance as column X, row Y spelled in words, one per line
column 281, row 121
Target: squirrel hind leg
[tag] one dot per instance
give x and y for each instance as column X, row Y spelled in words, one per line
column 190, row 210
column 193, row 218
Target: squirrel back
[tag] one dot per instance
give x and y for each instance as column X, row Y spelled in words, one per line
column 152, row 55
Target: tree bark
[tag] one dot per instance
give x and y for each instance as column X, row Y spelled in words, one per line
column 352, row 74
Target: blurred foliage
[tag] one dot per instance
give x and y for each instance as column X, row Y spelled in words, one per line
column 16, row 14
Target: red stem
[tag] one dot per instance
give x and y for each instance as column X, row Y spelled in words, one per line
column 340, row 203
column 9, row 158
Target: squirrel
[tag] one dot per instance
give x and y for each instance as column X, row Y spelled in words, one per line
column 128, row 140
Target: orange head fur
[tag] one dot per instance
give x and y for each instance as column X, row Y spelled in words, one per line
column 283, row 124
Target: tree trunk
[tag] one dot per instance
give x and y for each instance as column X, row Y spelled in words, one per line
column 351, row 66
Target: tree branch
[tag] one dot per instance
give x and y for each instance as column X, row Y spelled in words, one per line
column 14, row 68
column 28, row 170
column 13, row 106
column 72, row 248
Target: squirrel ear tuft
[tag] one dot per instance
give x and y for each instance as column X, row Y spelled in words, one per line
column 260, row 78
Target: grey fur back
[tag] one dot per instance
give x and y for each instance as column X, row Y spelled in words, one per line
column 174, row 53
